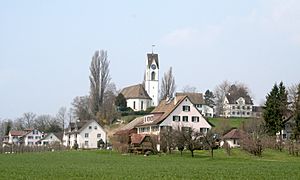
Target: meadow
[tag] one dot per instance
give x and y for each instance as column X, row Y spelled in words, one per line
column 112, row 165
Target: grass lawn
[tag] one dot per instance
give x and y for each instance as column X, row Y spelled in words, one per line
column 111, row 165
column 233, row 122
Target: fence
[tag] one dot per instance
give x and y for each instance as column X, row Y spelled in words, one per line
column 17, row 149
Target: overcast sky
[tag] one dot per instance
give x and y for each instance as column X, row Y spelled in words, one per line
column 46, row 46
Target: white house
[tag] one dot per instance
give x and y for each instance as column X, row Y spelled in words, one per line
column 198, row 100
column 233, row 138
column 178, row 112
column 137, row 98
column 28, row 137
column 52, row 138
column 86, row 134
column 234, row 106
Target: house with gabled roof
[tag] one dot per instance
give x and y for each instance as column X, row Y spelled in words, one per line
column 198, row 100
column 52, row 138
column 233, row 138
column 178, row 112
column 237, row 106
column 27, row 137
column 137, row 97
column 85, row 134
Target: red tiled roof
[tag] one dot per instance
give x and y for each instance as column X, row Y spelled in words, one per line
column 137, row 138
column 18, row 133
column 233, row 134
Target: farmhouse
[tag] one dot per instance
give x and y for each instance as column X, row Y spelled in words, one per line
column 85, row 134
column 27, row 137
column 178, row 112
column 52, row 138
column 198, row 101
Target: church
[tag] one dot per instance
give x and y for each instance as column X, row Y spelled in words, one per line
column 141, row 96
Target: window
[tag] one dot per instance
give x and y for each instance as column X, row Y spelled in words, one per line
column 39, row 137
column 98, row 135
column 86, row 135
column 233, row 113
column 30, row 137
column 238, row 107
column 186, row 108
column 133, row 104
column 185, row 119
column 145, row 129
column 248, row 107
column 243, row 107
column 248, row 113
column 238, row 113
column 86, row 143
column 90, row 127
column 176, row 118
column 95, row 127
column 233, row 107
column 199, row 105
column 153, row 76
column 234, row 141
column 30, row 143
column 142, row 105
column 195, row 118
column 154, row 128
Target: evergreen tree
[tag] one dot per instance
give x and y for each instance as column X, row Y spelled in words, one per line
column 209, row 98
column 8, row 127
column 121, row 102
column 297, row 115
column 276, row 108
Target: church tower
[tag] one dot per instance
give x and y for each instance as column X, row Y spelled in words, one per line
column 152, row 77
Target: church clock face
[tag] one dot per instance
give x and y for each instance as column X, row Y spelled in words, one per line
column 153, row 66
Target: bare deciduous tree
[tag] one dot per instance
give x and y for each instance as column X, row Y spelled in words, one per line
column 62, row 116
column 99, row 79
column 189, row 89
column 81, row 105
column 220, row 92
column 29, row 119
column 167, row 85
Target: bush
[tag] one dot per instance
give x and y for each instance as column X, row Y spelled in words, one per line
column 75, row 146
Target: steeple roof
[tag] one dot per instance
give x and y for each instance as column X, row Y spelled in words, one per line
column 151, row 57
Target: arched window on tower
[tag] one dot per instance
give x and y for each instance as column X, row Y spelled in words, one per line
column 153, row 76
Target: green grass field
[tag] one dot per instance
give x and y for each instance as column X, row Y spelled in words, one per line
column 111, row 165
column 233, row 122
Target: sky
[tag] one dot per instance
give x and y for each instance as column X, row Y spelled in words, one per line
column 46, row 46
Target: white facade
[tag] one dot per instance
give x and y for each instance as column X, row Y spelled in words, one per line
column 205, row 110
column 152, row 80
column 178, row 118
column 32, row 138
column 233, row 143
column 192, row 115
column 27, row 138
column 138, row 104
column 86, row 137
column 50, row 139
column 240, row 109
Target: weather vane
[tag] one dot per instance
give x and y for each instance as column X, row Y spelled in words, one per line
column 153, row 47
